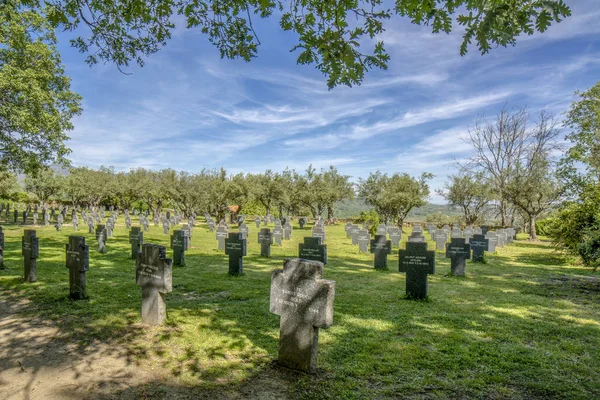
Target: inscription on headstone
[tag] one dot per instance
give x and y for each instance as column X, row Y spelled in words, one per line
column 30, row 251
column 78, row 263
column 417, row 262
column 235, row 248
column 154, row 275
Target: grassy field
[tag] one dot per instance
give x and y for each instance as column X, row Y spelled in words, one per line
column 524, row 325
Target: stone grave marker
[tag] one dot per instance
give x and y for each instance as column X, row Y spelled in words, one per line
column 456, row 233
column 78, row 263
column 59, row 222
column 477, row 231
column 417, row 262
column 277, row 234
column 136, row 238
column 179, row 244
column 349, row 231
column 35, row 217
column 30, row 246
column 484, row 230
column 257, row 222
column 416, row 237
column 479, row 245
column 313, row 249
column 395, row 236
column 304, row 301
column 363, row 239
column 244, row 230
column 354, row 234
column 265, row 238
column 101, row 237
column 235, row 248
column 221, row 235
column 468, row 233
column 127, row 222
column 287, row 231
column 381, row 229
column 492, row 241
column 441, row 237
column 154, row 274
column 15, row 216
column 319, row 231
column 458, row 251
column 381, row 247
column 302, row 222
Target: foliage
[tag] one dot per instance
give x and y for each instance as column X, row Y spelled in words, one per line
column 36, row 103
column 371, row 218
column 8, row 185
column 329, row 34
column 438, row 218
column 469, row 192
column 584, row 121
column 44, row 184
column 394, row 196
column 542, row 227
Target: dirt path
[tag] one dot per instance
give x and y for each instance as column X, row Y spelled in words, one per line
column 37, row 362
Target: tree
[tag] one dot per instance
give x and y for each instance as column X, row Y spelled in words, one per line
column 394, row 196
column 337, row 188
column 8, row 185
column 470, row 193
column 584, row 121
column 575, row 227
column 533, row 187
column 36, row 104
column 268, row 188
column 329, row 33
column 44, row 184
column 498, row 145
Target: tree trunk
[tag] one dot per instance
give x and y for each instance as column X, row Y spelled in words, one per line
column 503, row 212
column 330, row 214
column 532, row 232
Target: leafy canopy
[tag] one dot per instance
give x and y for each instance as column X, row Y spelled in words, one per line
column 330, row 34
column 36, row 103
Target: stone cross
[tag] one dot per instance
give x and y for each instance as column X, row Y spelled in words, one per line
column 456, row 233
column 35, row 217
column 136, row 238
column 395, row 236
column 467, row 233
column 75, row 222
column 78, row 263
column 59, row 222
column 479, row 244
column 265, row 238
column 221, row 236
column 493, row 241
column 458, row 251
column 244, row 230
column 179, row 244
column 1, row 249
column 349, row 230
column 31, row 251
column 381, row 229
column 312, row 249
column 16, row 215
column 257, row 222
column 90, row 223
column 381, row 247
column 302, row 222
column 127, row 221
column 277, row 234
column 363, row 239
column 235, row 248
column 319, row 231
column 440, row 236
column 304, row 301
column 101, row 238
column 417, row 262
column 154, row 273
column 416, row 236
column 287, row 231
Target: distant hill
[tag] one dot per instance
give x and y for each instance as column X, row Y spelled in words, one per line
column 353, row 208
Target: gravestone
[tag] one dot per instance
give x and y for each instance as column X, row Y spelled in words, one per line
column 154, row 275
column 101, row 238
column 165, row 225
column 363, row 239
column 78, row 263
column 31, row 250
column 456, row 233
column 304, row 301
column 492, row 241
column 484, row 229
column 416, row 237
column 244, row 230
column 277, row 234
column 440, row 236
column 179, row 244
column 46, row 217
column 458, row 251
column 257, row 222
column 235, row 248
column 127, row 222
column 417, row 262
column 59, row 222
column 1, row 249
column 501, row 239
column 265, row 238
column 477, row 231
column 354, row 234
column 350, row 230
column 211, row 225
column 287, row 231
column 136, row 238
column 188, row 230
column 319, row 231
column 15, row 216
column 381, row 229
column 90, row 223
column 75, row 222
column 25, row 214
column 221, row 235
column 302, row 222
column 313, row 249
column 381, row 247
column 480, row 245
column 395, row 236
column 468, row 233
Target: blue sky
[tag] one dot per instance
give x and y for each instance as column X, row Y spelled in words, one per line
column 187, row 109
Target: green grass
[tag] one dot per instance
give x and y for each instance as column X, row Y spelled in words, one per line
column 524, row 325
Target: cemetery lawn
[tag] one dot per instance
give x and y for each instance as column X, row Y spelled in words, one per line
column 526, row 325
